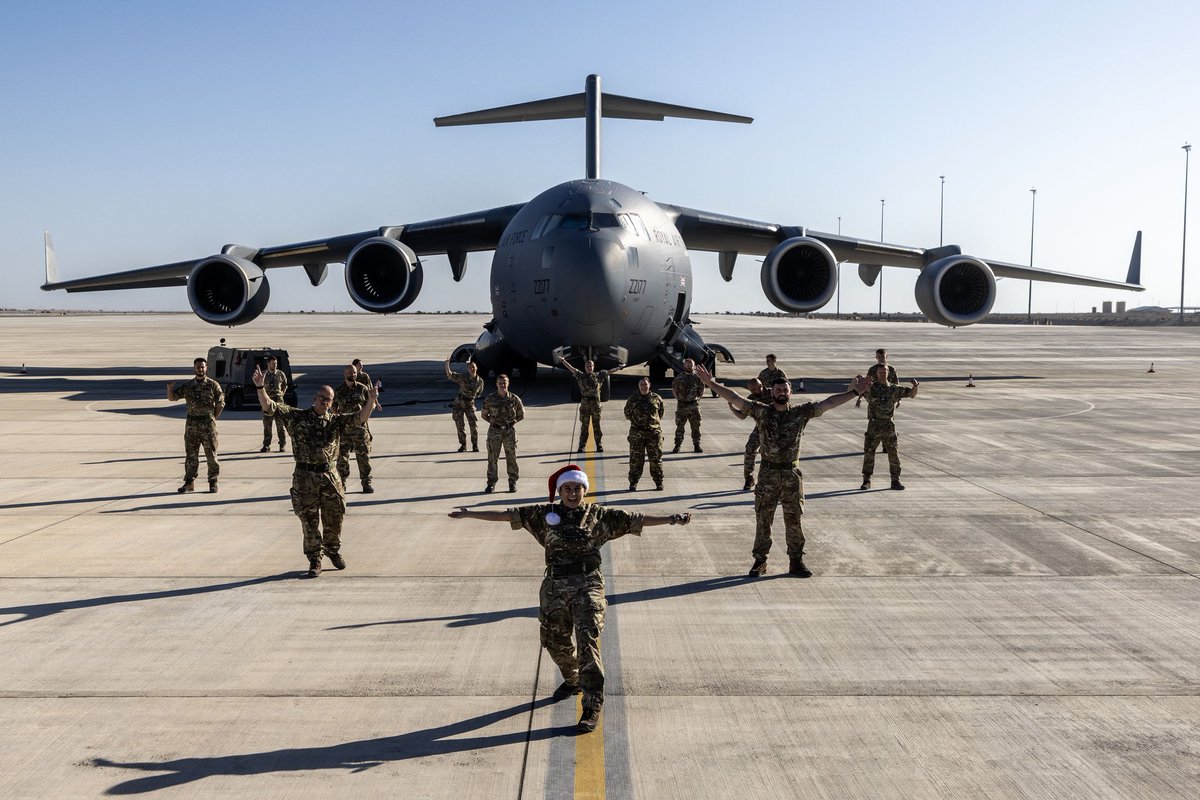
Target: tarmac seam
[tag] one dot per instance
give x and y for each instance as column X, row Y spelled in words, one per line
column 74, row 516
column 537, row 675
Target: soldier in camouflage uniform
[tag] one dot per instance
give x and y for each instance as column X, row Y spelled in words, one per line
column 759, row 395
column 365, row 379
column 687, row 389
column 880, row 358
column 590, row 382
column 571, row 600
column 502, row 411
column 462, row 410
column 275, row 383
column 644, row 411
column 349, row 398
column 771, row 373
column 780, row 482
column 318, row 496
column 882, row 399
column 205, row 402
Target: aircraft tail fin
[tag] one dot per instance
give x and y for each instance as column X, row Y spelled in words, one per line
column 51, row 260
column 590, row 106
column 1135, row 262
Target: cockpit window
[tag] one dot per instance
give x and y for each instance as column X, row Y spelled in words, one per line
column 573, row 222
column 634, row 224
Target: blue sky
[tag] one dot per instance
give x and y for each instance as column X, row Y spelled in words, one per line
column 141, row 133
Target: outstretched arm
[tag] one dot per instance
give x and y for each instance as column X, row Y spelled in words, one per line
column 462, row 512
column 171, row 391
column 857, row 387
column 567, row 364
column 364, row 413
column 914, row 383
column 733, row 398
column 449, row 372
column 668, row 519
column 257, row 379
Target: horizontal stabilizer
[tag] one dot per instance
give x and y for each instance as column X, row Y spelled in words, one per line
column 574, row 106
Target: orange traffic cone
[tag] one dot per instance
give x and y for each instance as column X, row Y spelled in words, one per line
column 1149, row 370
column 970, row 381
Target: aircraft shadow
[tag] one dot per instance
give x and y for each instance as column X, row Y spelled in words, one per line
column 41, row 610
column 531, row 612
column 356, row 756
column 205, row 500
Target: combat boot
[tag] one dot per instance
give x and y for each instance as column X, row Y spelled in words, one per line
column 633, row 487
column 188, row 486
column 512, row 486
column 582, row 444
column 758, row 568
column 337, row 560
column 266, row 448
column 599, row 447
column 589, row 719
column 368, row 488
column 748, row 485
column 314, row 567
column 696, row 448
column 796, row 567
column 212, row 485
column 489, row 489
column 281, row 445
column 462, row 448
column 866, row 484
column 675, row 449
column 658, row 486
column 474, row 447
column 897, row 485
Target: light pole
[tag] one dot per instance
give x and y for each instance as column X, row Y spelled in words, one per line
column 1187, row 154
column 881, row 269
column 1032, row 219
column 839, row 275
column 942, row 211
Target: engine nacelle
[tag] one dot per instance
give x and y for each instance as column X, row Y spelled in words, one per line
column 383, row 275
column 227, row 290
column 956, row 290
column 799, row 274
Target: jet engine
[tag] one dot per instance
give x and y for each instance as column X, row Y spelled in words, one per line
column 956, row 290
column 227, row 290
column 383, row 275
column 799, row 274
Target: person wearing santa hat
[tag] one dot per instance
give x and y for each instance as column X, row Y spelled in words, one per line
column 571, row 600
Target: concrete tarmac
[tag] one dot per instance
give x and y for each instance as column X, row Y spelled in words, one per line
column 1021, row 622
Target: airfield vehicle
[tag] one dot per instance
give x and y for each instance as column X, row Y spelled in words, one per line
column 232, row 367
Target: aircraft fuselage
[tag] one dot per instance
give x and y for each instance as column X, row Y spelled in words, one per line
column 591, row 265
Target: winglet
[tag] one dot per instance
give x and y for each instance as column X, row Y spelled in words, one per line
column 51, row 261
column 1135, row 262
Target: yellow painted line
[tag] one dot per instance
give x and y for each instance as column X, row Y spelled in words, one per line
column 589, row 747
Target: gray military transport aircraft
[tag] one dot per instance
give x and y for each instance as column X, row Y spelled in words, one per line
column 588, row 268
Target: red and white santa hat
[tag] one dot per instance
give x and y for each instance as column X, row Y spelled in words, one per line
column 571, row 473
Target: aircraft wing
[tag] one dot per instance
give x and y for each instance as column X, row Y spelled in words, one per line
column 727, row 235
column 455, row 236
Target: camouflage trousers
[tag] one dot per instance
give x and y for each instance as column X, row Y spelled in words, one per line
column 496, row 438
column 357, row 439
column 777, row 487
column 687, row 413
column 463, row 413
column 751, row 452
column 575, row 605
column 199, row 433
column 589, row 413
column 279, row 429
column 320, row 502
column 875, row 437
column 643, row 445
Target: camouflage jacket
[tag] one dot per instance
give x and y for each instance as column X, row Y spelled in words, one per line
column 468, row 388
column 364, row 378
column 350, row 399
column 275, row 383
column 768, row 376
column 687, row 388
column 503, row 412
column 779, row 432
column 881, row 403
column 644, row 410
column 763, row 397
column 204, row 397
column 589, row 385
column 315, row 437
column 578, row 533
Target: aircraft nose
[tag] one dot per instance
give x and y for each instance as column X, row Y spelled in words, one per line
column 589, row 273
